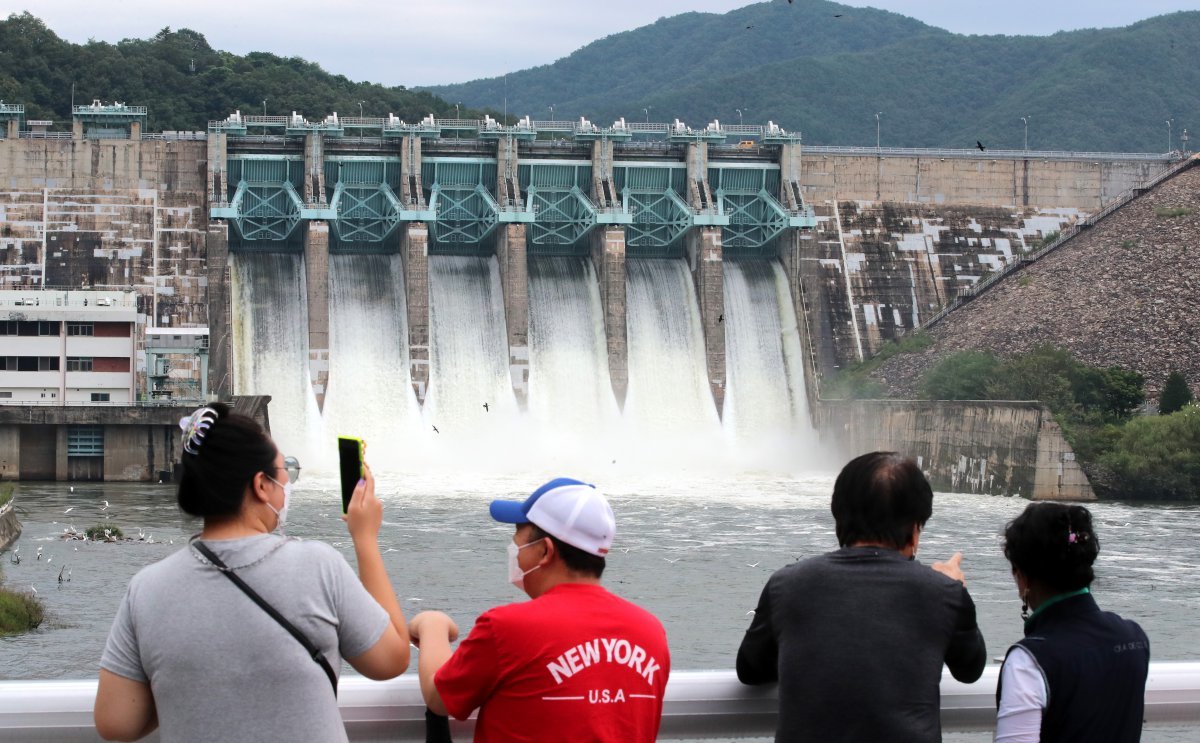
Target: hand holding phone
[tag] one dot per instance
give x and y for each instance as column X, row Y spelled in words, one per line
column 350, row 466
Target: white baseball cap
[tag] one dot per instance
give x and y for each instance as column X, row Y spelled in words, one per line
column 570, row 510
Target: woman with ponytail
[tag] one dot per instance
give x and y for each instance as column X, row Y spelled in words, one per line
column 237, row 636
column 1080, row 673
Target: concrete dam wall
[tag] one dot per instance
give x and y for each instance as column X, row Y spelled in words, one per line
column 891, row 237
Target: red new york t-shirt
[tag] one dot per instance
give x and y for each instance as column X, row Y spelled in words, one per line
column 575, row 664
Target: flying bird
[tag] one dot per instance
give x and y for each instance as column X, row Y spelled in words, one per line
column 721, row 318
column 750, row 26
column 980, row 145
column 838, row 15
column 435, row 430
column 485, row 407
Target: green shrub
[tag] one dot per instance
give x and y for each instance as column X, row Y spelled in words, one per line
column 19, row 612
column 854, row 382
column 1128, row 244
column 1158, row 457
column 1175, row 394
column 6, row 493
column 966, row 375
column 1173, row 211
column 104, row 532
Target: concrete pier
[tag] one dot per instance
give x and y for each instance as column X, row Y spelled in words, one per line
column 316, row 283
column 220, row 331
column 514, row 283
column 608, row 259
column 414, row 246
column 706, row 261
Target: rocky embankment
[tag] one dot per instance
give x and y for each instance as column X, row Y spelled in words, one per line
column 1122, row 293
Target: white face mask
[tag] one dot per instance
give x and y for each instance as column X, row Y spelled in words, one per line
column 515, row 575
column 282, row 512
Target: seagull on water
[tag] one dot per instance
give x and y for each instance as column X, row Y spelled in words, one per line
column 72, row 508
column 754, row 564
column 39, row 553
column 672, row 561
column 105, row 505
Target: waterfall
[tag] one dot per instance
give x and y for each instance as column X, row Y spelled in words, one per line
column 764, row 397
column 468, row 348
column 370, row 393
column 270, row 347
column 570, row 392
column 668, row 383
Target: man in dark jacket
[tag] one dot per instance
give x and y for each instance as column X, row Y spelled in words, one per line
column 857, row 638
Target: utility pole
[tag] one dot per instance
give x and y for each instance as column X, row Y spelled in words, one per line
column 877, row 129
column 1025, row 121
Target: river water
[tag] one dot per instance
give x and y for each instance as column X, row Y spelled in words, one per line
column 693, row 548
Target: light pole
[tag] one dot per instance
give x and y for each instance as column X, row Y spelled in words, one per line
column 1184, row 138
column 647, row 112
column 264, row 108
column 552, row 114
column 739, row 113
column 1169, row 134
column 877, row 129
column 1025, row 121
column 456, row 105
column 360, row 109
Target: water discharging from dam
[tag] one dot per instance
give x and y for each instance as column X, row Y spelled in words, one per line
column 368, row 355
column 668, row 385
column 468, row 348
column 573, row 419
column 570, row 392
column 270, row 345
column 765, row 395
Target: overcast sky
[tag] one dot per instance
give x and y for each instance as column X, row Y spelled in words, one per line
column 401, row 42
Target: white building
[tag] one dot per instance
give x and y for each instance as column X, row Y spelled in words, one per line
column 67, row 347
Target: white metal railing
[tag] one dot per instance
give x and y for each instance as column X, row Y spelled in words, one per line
column 697, row 704
column 975, row 153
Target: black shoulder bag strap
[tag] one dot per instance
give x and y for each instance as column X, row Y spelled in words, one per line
column 313, row 651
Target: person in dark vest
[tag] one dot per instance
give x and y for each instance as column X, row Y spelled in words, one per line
column 857, row 638
column 1080, row 673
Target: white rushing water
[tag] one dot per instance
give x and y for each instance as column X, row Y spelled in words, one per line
column 270, row 346
column 570, row 391
column 468, row 350
column 668, row 383
column 370, row 393
column 765, row 400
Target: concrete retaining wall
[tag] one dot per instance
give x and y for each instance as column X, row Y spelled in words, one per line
column 10, row 528
column 999, row 448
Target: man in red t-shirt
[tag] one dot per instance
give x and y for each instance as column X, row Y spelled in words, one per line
column 576, row 663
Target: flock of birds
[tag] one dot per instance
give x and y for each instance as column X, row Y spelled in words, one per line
column 71, row 534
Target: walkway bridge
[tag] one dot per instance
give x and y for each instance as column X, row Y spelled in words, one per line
column 536, row 188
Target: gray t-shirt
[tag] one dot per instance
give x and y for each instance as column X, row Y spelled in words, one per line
column 219, row 667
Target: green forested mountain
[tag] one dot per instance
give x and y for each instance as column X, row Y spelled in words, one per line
column 181, row 79
column 826, row 69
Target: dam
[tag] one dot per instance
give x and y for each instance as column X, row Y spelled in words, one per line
column 473, row 278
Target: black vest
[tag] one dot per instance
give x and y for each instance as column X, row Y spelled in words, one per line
column 1095, row 664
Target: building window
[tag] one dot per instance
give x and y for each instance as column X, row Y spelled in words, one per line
column 47, row 363
column 8, row 327
column 47, row 327
column 100, row 397
column 28, row 363
column 8, row 363
column 5, row 395
column 85, row 441
column 81, row 328
column 79, row 364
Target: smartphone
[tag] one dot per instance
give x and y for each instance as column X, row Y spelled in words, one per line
column 350, row 465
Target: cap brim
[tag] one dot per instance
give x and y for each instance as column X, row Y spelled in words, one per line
column 508, row 511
